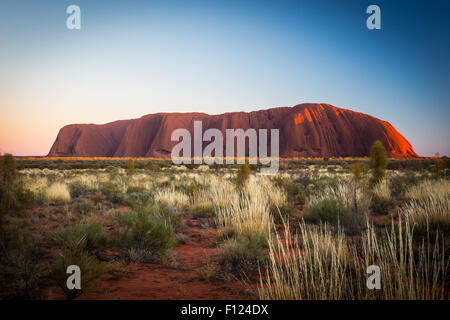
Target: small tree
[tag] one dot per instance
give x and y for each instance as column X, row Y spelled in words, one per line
column 130, row 166
column 439, row 165
column 150, row 166
column 243, row 175
column 357, row 171
column 378, row 162
column 8, row 174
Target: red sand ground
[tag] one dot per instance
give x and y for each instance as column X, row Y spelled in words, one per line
column 142, row 281
column 178, row 280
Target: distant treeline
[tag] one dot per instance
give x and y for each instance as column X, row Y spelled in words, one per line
column 286, row 164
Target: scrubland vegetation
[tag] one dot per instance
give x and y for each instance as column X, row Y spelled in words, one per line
column 308, row 232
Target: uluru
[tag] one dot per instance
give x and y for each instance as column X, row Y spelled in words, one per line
column 306, row 130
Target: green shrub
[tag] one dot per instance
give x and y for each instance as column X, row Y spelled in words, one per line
column 166, row 212
column 224, row 234
column 84, row 207
column 242, row 175
column 77, row 189
column 292, row 189
column 438, row 165
column 241, row 255
column 300, row 198
column 282, row 213
column 91, row 270
column 21, row 268
column 11, row 190
column 89, row 235
column 133, row 189
column 97, row 199
column 380, row 205
column 202, row 211
column 378, row 162
column 139, row 255
column 112, row 192
column 113, row 172
column 110, row 168
column 399, row 184
column 130, row 166
column 146, row 228
column 328, row 210
column 318, row 185
column 209, row 272
column 150, row 165
column 138, row 199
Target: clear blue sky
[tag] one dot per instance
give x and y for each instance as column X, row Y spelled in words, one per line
column 132, row 58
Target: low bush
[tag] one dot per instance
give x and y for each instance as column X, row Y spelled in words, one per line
column 242, row 175
column 209, row 272
column 202, row 211
column 327, row 210
column 22, row 270
column 112, row 192
column 138, row 199
column 91, row 270
column 381, row 200
column 282, row 213
column 241, row 255
column 380, row 205
column 146, row 228
column 84, row 207
column 300, row 198
column 58, row 193
column 77, row 188
column 88, row 235
column 428, row 207
column 173, row 198
column 400, row 183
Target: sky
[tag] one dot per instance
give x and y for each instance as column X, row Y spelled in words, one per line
column 132, row 58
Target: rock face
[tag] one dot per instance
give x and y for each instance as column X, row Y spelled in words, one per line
column 306, row 130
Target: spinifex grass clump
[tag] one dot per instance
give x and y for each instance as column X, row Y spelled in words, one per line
column 172, row 197
column 322, row 264
column 22, row 271
column 86, row 235
column 242, row 254
column 326, row 210
column 147, row 228
column 381, row 200
column 58, row 193
column 84, row 207
column 314, row 268
column 91, row 270
column 248, row 215
column 428, row 207
column 114, row 192
column 245, row 225
column 346, row 203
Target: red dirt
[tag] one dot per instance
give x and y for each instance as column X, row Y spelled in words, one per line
column 146, row 281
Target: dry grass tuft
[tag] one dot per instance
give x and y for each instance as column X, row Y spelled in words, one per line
column 58, row 193
column 321, row 264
